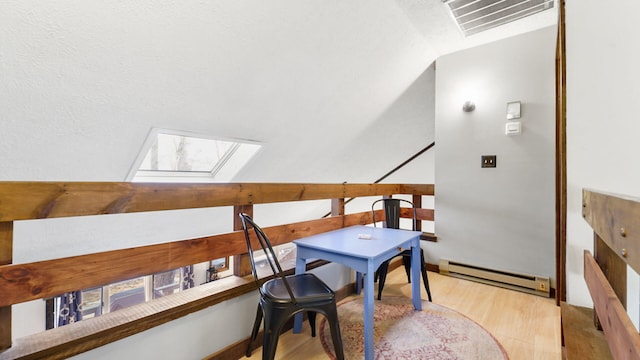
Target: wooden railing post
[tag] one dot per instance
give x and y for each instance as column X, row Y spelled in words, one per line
column 337, row 207
column 6, row 257
column 417, row 202
column 241, row 263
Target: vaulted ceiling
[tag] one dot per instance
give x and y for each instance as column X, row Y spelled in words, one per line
column 320, row 82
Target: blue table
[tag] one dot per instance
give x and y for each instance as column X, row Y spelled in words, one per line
column 348, row 246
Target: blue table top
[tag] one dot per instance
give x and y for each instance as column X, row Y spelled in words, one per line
column 347, row 240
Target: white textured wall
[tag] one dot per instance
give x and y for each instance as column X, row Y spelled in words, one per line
column 504, row 217
column 603, row 88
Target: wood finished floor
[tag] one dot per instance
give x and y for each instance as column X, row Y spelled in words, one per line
column 527, row 326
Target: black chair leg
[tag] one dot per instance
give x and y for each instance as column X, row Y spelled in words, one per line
column 332, row 318
column 425, row 278
column 274, row 320
column 312, row 322
column 406, row 261
column 254, row 332
column 382, row 277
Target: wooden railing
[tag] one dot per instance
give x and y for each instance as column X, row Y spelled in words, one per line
column 40, row 200
column 616, row 225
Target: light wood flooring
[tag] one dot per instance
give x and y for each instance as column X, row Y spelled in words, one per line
column 527, row 326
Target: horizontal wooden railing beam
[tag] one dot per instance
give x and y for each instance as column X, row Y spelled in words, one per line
column 40, row 200
column 42, row 279
column 619, row 331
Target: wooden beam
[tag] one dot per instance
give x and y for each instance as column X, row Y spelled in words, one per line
column 6, row 257
column 24, row 282
column 619, row 331
column 39, row 200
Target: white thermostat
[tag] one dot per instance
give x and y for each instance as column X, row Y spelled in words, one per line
column 513, row 128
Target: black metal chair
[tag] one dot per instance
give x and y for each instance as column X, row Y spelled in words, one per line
column 392, row 220
column 284, row 296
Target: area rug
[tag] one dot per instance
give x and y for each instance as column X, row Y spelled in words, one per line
column 400, row 332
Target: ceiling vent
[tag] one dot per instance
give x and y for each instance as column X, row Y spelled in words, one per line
column 474, row 16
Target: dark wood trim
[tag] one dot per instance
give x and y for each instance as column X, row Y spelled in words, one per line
column 561, row 158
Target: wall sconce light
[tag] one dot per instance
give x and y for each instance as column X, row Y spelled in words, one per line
column 468, row 106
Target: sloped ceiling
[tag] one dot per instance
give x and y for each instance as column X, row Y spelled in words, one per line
column 83, row 82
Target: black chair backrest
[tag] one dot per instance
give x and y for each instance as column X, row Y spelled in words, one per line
column 270, row 255
column 392, row 212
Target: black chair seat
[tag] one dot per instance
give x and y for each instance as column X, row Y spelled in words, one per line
column 305, row 287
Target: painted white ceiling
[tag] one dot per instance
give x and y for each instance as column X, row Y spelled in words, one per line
column 83, row 82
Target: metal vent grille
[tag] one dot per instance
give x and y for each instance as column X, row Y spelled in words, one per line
column 474, row 16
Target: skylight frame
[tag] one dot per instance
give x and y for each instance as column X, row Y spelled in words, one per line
column 225, row 164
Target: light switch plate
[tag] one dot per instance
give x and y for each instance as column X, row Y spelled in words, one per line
column 513, row 128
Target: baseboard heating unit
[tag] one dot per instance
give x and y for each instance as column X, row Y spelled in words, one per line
column 526, row 283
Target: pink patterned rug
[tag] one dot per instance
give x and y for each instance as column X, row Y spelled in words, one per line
column 400, row 332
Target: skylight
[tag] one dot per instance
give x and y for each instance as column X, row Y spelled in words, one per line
column 474, row 16
column 182, row 157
